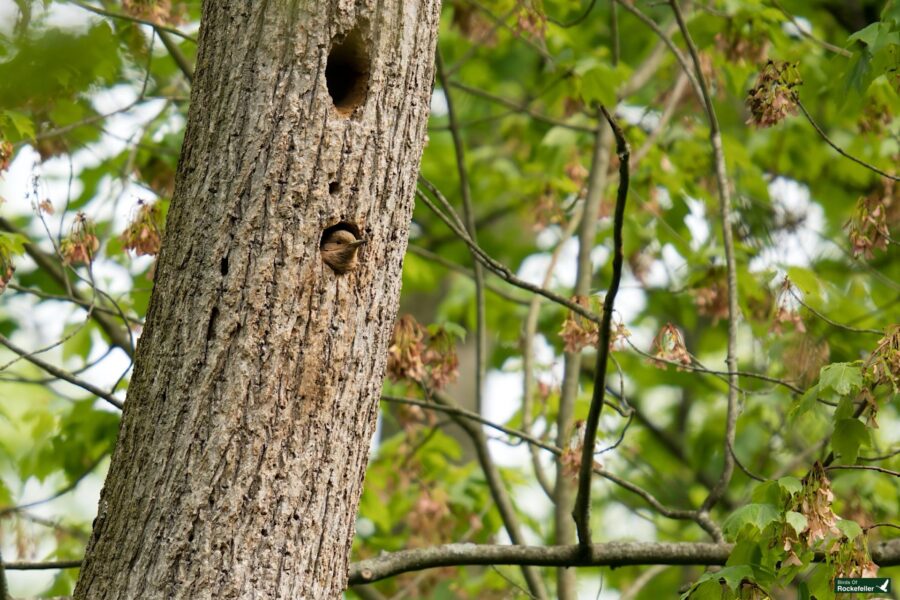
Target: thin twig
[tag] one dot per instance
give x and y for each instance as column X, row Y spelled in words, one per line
column 876, row 525
column 667, row 114
column 452, row 409
column 863, row 468
column 498, row 268
column 522, row 108
column 61, row 373
column 808, row 35
column 528, row 333
column 829, row 321
column 42, row 566
column 71, row 531
column 517, row 34
column 458, row 268
column 177, row 55
column 641, row 581
column 480, row 43
column 4, row 590
column 114, row 15
column 469, row 216
column 698, row 367
column 882, row 457
column 565, row 491
column 59, row 493
column 498, row 490
column 667, row 40
column 583, row 499
column 837, row 148
column 724, row 192
column 671, row 513
column 576, row 20
column 119, row 336
column 64, row 298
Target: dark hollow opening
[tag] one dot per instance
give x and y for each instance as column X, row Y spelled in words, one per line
column 343, row 225
column 334, row 187
column 347, row 73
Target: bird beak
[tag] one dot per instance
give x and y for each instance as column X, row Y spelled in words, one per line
column 357, row 243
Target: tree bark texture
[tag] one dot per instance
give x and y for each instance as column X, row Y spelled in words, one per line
column 244, row 440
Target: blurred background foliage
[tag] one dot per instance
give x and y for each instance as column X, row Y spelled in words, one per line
column 92, row 111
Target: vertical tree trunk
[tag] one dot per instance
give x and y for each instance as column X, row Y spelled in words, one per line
column 244, row 439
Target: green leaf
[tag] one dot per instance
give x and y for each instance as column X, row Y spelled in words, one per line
column 820, row 582
column 560, row 137
column 850, row 529
column 14, row 243
column 849, row 435
column 455, row 329
column 791, row 485
column 755, row 515
column 796, row 520
column 891, row 12
column 79, row 344
column 806, row 402
column 20, row 122
column 707, row 590
column 599, row 85
column 806, row 280
column 768, row 492
column 859, row 74
column 841, row 377
column 733, row 576
column 870, row 35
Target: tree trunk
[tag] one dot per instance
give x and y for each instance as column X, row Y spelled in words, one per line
column 244, row 440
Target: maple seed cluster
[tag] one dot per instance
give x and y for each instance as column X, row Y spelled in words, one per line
column 870, row 227
column 772, row 98
column 433, row 363
column 6, row 152
column 6, row 265
column 144, row 234
column 82, row 243
column 670, row 348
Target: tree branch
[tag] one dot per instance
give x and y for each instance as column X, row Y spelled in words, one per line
column 612, row 554
column 458, row 268
column 61, row 374
column 837, row 148
column 529, row 331
column 118, row 335
column 715, row 137
column 114, row 15
column 521, row 108
column 498, row 268
column 499, row 493
column 583, row 499
column 469, row 216
column 701, row 518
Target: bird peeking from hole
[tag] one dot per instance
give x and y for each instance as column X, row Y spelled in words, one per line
column 339, row 250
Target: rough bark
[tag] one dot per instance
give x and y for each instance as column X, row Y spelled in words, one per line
column 245, row 435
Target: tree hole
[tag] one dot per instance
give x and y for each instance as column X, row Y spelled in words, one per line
column 334, row 187
column 347, row 72
column 342, row 226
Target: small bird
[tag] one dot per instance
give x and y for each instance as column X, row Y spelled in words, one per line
column 339, row 250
